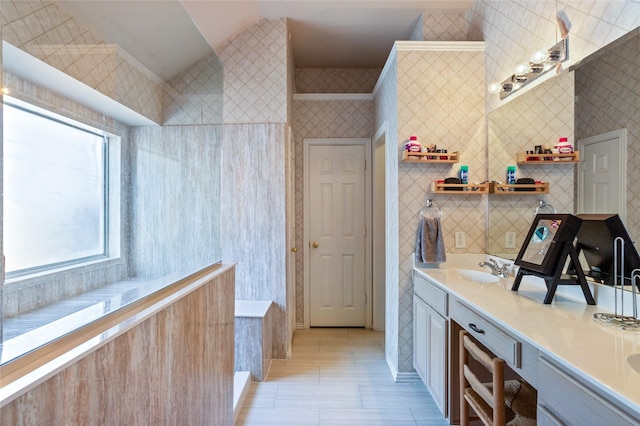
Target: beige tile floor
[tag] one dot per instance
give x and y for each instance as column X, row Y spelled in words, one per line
column 335, row 377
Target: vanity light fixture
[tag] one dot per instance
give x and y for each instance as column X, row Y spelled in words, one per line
column 541, row 61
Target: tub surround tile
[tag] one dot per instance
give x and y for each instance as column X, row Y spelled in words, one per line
column 253, row 337
column 167, row 369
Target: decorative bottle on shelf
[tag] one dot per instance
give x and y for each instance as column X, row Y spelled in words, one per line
column 511, row 175
column 463, row 174
column 413, row 145
column 564, row 147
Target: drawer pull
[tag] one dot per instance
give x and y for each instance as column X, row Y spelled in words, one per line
column 475, row 328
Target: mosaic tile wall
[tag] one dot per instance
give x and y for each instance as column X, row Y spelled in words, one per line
column 336, row 80
column 608, row 98
column 321, row 119
column 255, row 74
column 45, row 31
column 539, row 118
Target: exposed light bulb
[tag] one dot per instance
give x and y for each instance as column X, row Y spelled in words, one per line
column 5, row 90
column 522, row 69
column 494, row 88
column 539, row 56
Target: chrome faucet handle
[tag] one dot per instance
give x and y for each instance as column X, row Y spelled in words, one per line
column 503, row 270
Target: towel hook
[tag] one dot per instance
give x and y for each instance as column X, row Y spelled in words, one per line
column 543, row 205
column 427, row 212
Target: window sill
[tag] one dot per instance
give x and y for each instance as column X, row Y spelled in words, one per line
column 20, row 279
column 25, row 332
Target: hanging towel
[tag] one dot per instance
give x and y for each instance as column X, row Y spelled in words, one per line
column 429, row 242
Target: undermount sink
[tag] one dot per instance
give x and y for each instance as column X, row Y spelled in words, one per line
column 634, row 361
column 477, row 276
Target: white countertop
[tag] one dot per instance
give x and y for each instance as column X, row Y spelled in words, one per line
column 564, row 331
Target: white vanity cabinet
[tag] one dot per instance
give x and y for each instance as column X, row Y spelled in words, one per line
column 520, row 356
column 430, row 339
column 565, row 400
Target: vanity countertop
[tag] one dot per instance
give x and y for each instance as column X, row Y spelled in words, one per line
column 563, row 331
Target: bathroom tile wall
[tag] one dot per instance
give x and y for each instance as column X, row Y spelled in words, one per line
column 539, row 118
column 322, row 119
column 608, row 98
column 175, row 196
column 40, row 28
column 255, row 74
column 514, row 29
column 326, row 119
column 195, row 96
column 414, row 98
column 440, row 109
column 442, row 26
column 254, row 223
column 253, row 213
column 336, row 80
column 47, row 32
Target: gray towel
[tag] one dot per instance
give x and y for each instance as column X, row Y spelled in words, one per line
column 429, row 242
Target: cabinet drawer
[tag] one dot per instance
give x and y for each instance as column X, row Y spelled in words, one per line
column 431, row 294
column 500, row 343
column 572, row 402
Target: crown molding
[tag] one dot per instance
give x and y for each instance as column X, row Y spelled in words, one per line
column 333, row 96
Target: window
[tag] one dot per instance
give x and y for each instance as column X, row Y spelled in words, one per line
column 55, row 190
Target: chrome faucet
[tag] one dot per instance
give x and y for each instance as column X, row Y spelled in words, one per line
column 501, row 271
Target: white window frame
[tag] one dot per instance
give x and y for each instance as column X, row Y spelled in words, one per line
column 112, row 216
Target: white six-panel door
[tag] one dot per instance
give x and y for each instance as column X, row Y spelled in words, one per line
column 337, row 231
column 602, row 174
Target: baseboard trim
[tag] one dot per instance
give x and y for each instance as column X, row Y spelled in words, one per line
column 411, row 377
column 299, row 326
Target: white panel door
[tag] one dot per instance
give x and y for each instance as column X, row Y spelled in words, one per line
column 337, row 235
column 601, row 181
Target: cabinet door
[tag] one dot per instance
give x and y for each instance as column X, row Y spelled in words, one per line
column 437, row 358
column 568, row 401
column 420, row 338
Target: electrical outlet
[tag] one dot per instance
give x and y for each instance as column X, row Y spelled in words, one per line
column 460, row 240
column 510, row 240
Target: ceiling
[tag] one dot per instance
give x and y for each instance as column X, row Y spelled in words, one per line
column 161, row 34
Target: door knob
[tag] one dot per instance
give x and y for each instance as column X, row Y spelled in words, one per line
column 314, row 245
column 294, row 250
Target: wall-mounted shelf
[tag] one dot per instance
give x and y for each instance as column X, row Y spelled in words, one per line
column 430, row 157
column 520, row 189
column 460, row 188
column 524, row 158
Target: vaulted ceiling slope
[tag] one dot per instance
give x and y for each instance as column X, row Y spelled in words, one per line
column 325, row 33
column 161, row 34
